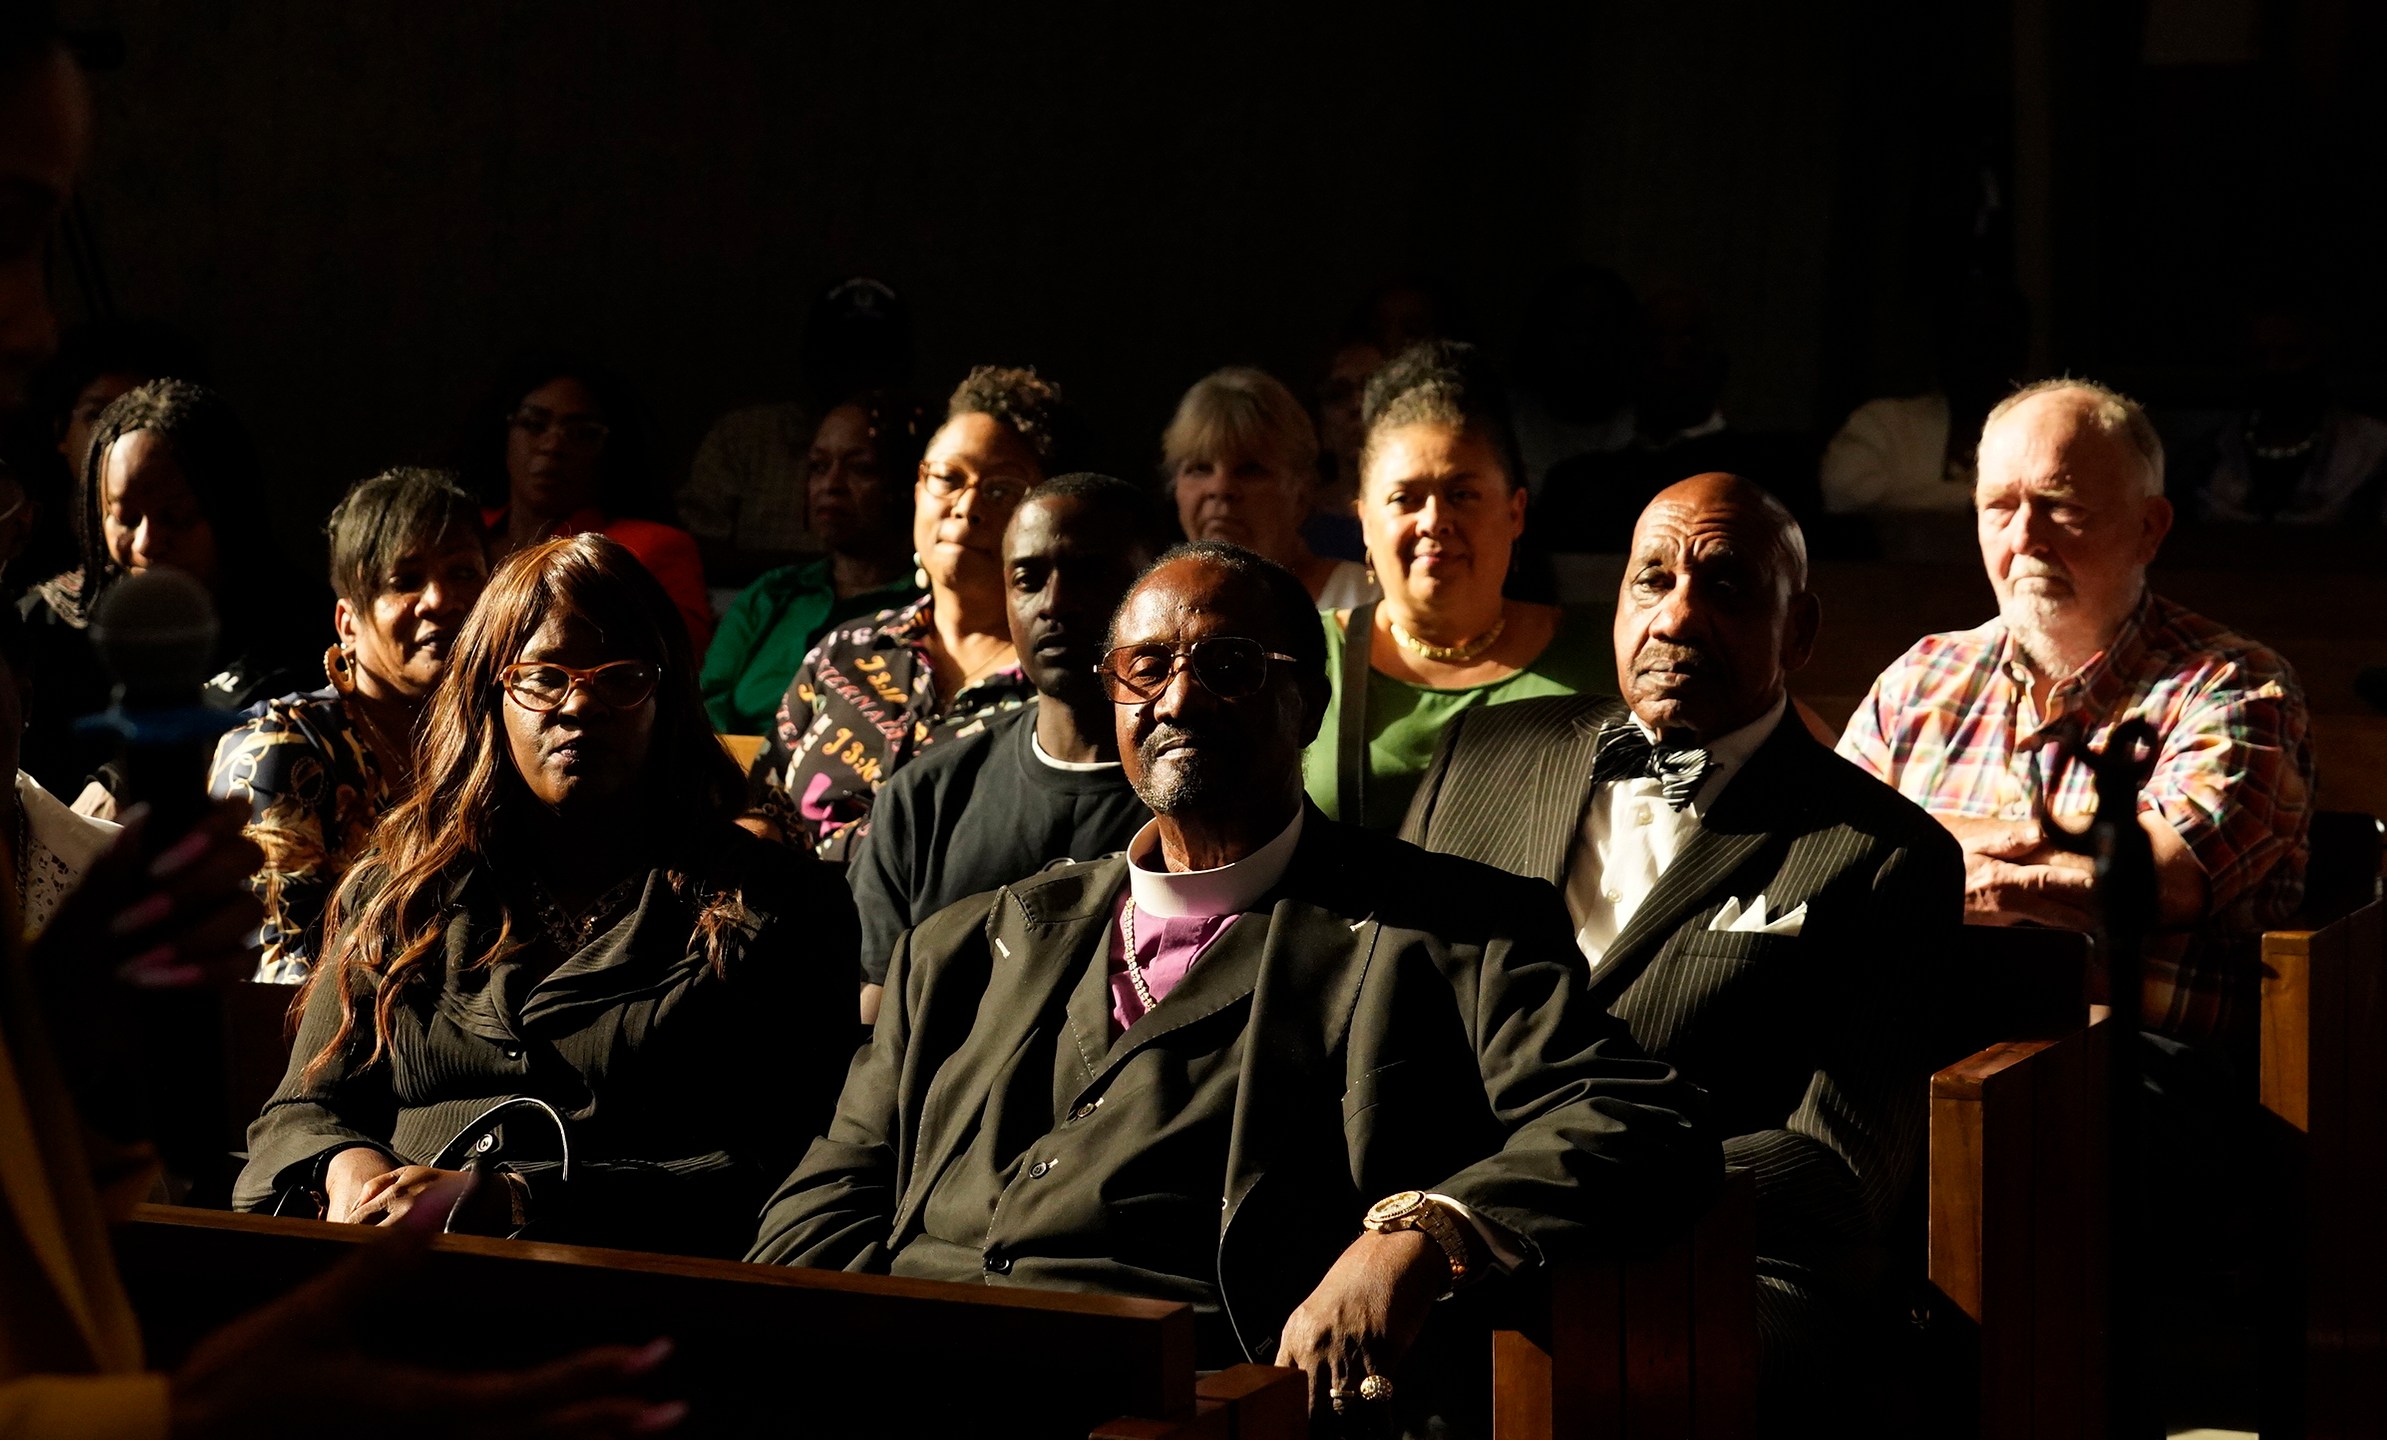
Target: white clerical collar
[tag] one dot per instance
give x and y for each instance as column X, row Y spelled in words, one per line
column 1227, row 890
column 1729, row 753
column 1036, row 747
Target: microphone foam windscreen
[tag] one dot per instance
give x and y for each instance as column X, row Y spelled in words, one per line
column 156, row 632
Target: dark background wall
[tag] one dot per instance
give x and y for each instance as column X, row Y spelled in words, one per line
column 358, row 209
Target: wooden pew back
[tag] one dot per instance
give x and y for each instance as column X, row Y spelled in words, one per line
column 2018, row 1214
column 1660, row 1347
column 758, row 1347
column 2324, row 1091
column 2017, row 1195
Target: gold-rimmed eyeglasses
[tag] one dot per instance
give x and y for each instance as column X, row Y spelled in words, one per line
column 540, row 685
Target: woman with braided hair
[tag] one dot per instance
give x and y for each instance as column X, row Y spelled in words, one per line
column 172, row 480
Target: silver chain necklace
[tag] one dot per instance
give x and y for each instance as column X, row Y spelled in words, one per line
column 1135, row 971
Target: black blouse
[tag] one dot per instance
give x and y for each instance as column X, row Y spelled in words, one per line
column 688, row 1092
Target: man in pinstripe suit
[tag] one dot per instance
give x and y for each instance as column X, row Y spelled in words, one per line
column 1757, row 910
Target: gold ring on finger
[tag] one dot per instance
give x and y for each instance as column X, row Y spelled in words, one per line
column 1375, row 1387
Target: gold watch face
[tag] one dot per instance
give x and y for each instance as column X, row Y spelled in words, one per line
column 1392, row 1208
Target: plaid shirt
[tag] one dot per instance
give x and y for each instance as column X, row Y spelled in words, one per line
column 1953, row 727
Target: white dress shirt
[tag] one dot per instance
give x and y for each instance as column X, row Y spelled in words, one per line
column 1630, row 835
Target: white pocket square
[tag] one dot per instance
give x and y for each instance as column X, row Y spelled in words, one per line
column 1753, row 921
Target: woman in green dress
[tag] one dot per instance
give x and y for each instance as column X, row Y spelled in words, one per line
column 1441, row 507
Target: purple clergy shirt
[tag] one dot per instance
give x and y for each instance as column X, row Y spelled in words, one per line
column 1180, row 914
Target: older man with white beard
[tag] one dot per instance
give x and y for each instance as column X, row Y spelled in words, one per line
column 2069, row 497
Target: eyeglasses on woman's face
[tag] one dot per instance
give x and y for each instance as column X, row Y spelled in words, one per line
column 542, row 685
column 536, row 421
column 1002, row 493
column 1231, row 667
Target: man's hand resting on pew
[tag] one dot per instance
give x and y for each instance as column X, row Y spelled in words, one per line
column 1364, row 1316
column 296, row 1367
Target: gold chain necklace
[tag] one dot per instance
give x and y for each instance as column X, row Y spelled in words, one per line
column 1458, row 654
column 571, row 933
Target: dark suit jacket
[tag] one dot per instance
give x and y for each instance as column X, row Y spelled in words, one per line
column 1811, row 1047
column 1415, row 1021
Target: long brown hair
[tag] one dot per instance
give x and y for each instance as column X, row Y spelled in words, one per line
column 387, row 916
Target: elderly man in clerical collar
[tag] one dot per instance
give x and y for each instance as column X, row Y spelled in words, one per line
column 1759, row 912
column 1309, row 1079
column 2069, row 494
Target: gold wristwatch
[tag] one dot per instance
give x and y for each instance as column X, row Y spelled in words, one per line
column 1416, row 1210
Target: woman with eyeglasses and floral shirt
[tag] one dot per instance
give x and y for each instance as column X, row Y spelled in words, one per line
column 560, row 448
column 562, row 914
column 873, row 695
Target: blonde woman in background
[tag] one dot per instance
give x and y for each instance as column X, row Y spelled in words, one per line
column 1241, row 459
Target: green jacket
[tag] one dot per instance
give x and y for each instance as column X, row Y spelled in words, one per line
column 767, row 633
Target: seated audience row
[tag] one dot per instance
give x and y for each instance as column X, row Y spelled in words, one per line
column 1115, row 959
column 1154, row 1020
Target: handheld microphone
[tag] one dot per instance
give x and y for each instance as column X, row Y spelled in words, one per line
column 156, row 632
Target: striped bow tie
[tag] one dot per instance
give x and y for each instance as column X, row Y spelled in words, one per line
column 1627, row 754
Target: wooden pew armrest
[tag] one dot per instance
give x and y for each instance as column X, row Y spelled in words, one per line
column 1248, row 1402
column 1662, row 1344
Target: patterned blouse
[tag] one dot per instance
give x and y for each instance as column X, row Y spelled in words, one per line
column 315, row 790
column 863, row 705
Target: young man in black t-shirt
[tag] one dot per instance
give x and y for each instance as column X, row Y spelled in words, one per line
column 1034, row 787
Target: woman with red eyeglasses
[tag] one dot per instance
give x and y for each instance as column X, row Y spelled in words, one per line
column 559, row 448
column 561, row 918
